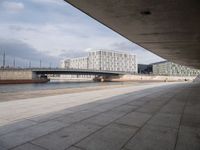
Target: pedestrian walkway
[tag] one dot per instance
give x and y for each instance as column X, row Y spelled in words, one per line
column 164, row 117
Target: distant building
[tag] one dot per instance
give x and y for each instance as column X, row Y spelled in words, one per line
column 104, row 60
column 112, row 61
column 78, row 63
column 145, row 69
column 62, row 64
column 172, row 69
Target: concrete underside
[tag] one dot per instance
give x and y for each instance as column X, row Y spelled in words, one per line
column 158, row 117
column 169, row 28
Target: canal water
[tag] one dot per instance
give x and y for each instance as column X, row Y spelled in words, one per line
column 7, row 88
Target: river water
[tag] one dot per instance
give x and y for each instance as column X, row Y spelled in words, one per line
column 7, row 88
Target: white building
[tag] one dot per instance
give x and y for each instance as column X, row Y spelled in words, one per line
column 104, row 60
column 112, row 61
column 172, row 69
column 65, row 63
column 79, row 63
column 75, row 63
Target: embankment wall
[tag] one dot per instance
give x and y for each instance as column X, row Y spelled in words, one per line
column 152, row 78
column 16, row 74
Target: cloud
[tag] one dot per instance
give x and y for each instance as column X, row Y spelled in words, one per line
column 73, row 53
column 48, row 1
column 24, row 53
column 13, row 6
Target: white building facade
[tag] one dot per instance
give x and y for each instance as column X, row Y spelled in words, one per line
column 105, row 60
column 172, row 69
column 112, row 61
column 78, row 63
column 75, row 63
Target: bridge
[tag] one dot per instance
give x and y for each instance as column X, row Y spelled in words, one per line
column 76, row 71
column 35, row 73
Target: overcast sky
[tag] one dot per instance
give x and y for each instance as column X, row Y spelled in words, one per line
column 51, row 30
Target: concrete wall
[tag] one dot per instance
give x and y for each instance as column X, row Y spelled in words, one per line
column 16, row 74
column 152, row 78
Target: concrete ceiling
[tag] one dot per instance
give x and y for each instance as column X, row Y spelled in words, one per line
column 168, row 28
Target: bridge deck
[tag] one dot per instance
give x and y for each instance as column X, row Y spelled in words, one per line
column 76, row 71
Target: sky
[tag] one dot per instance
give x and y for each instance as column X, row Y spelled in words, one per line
column 52, row 30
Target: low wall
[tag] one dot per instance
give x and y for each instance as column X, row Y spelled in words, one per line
column 16, row 74
column 152, row 78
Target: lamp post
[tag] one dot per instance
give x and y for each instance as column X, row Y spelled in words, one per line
column 4, row 59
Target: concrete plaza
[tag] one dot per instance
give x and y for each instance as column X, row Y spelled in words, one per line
column 159, row 116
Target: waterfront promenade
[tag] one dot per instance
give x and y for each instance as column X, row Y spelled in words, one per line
column 157, row 116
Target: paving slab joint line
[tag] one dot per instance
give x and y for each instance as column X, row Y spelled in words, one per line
column 139, row 129
column 130, row 126
column 101, row 127
column 86, row 119
column 115, row 123
column 28, row 143
column 87, row 109
column 177, row 135
column 18, row 129
column 38, row 146
column 75, row 147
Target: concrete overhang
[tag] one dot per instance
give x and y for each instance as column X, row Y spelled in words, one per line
column 168, row 28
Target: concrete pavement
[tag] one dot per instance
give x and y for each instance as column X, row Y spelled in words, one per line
column 161, row 116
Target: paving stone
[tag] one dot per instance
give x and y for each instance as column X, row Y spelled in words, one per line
column 188, row 139
column 138, row 102
column 28, row 146
column 65, row 137
column 2, row 148
column 173, row 108
column 104, row 107
column 45, row 117
column 134, row 119
column 15, row 126
column 192, row 110
column 125, row 108
column 194, row 100
column 25, row 135
column 105, row 118
column 158, row 102
column 73, row 148
column 180, row 99
column 77, row 116
column 191, row 121
column 66, row 111
column 82, row 107
column 149, row 108
column 112, row 137
column 167, row 120
column 124, row 148
column 153, row 138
